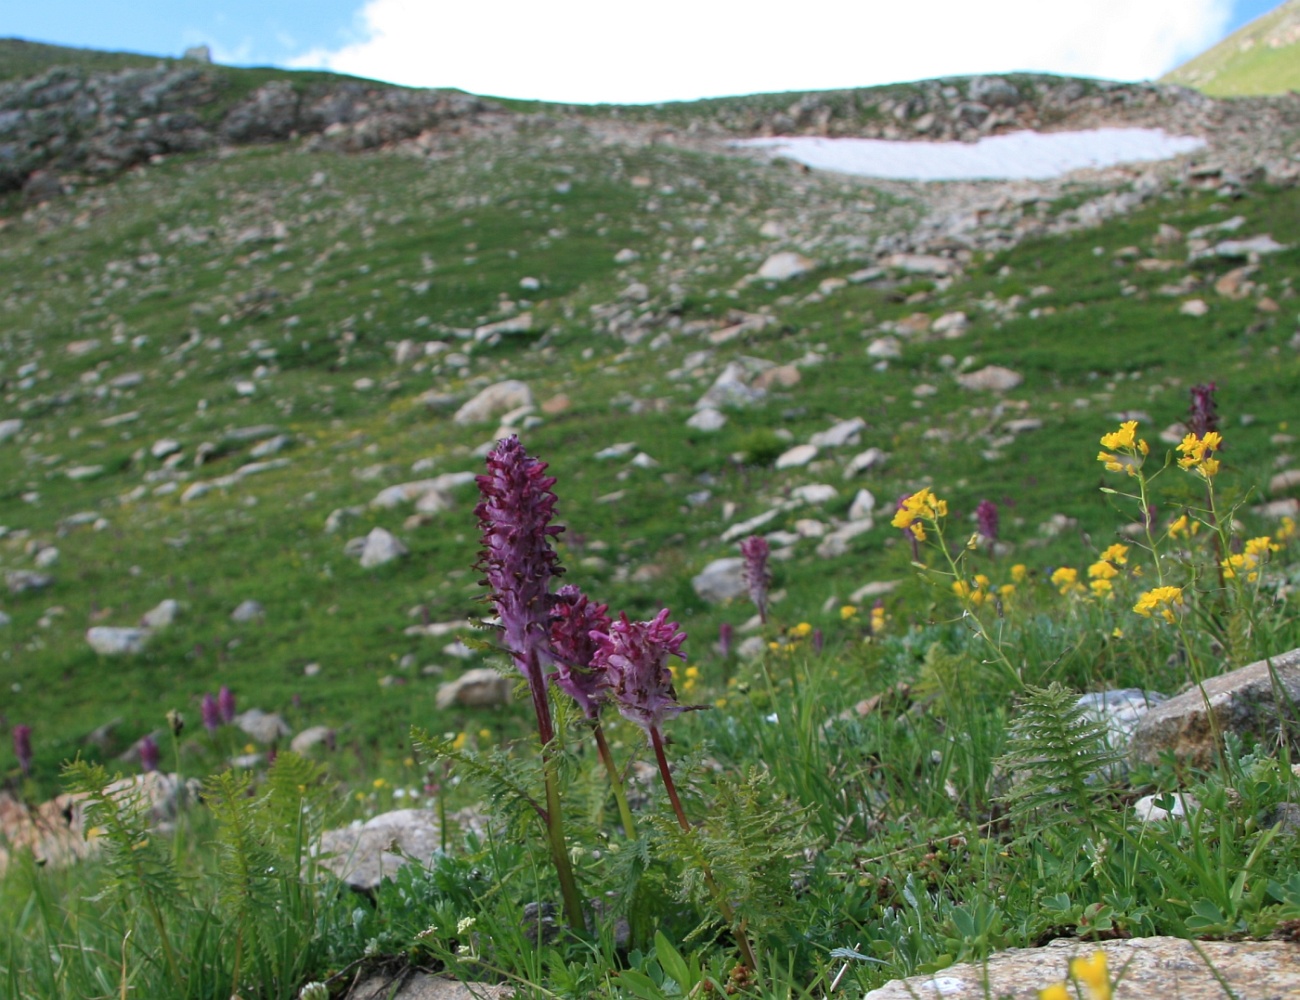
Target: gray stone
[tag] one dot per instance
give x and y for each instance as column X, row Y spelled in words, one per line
column 108, row 640
column 1242, row 701
column 9, row 428
column 362, row 855
column 839, row 434
column 1152, row 967
column 1149, row 810
column 925, row 264
column 872, row 458
column 991, row 378
column 837, row 542
column 814, row 493
column 750, row 525
column 730, row 388
column 265, row 727
column 423, row 986
column 502, row 397
column 164, row 447
column 381, row 547
column 481, row 687
column 161, row 615
column 1120, row 710
column 784, row 266
column 721, row 580
column 522, row 323
column 1284, row 482
column 271, row 446
column 863, row 506
column 21, row 581
column 248, row 611
column 312, row 737
column 885, row 347
column 707, row 420
column 951, row 325
column 800, row 454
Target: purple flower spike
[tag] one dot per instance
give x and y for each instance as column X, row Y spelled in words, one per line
column 211, row 713
column 986, row 517
column 517, row 559
column 725, row 632
column 23, row 747
column 818, row 640
column 149, row 754
column 1203, row 416
column 756, row 550
column 636, row 656
column 574, row 628
column 226, row 704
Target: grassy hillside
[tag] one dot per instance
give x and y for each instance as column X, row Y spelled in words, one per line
column 1261, row 58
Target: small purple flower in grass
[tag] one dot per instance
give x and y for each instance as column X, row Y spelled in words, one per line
column 1203, row 416
column 575, row 623
column 725, row 633
column 756, row 550
column 636, row 656
column 211, row 713
column 986, row 517
column 23, row 747
column 517, row 558
column 818, row 640
column 226, row 704
column 149, row 754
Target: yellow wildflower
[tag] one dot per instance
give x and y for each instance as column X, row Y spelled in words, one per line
column 1125, row 437
column 1057, row 991
column 1006, row 590
column 459, row 742
column 379, row 783
column 961, row 588
column 1197, row 452
column 1066, row 580
column 1092, row 973
column 1117, row 553
column 1117, row 633
column 1101, row 588
column 1102, row 570
column 877, row 620
column 1113, row 464
column 847, row 611
column 1182, row 526
column 1019, row 573
column 485, row 734
column 1162, row 600
column 981, row 581
column 920, row 506
column 1287, row 530
column 801, row 630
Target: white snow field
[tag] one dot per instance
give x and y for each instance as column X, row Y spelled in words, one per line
column 1015, row 156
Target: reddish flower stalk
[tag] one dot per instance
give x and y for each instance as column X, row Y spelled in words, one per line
column 725, row 634
column 636, row 656
column 226, row 704
column 23, row 748
column 986, row 517
column 149, row 754
column 211, row 713
column 757, row 576
column 1203, row 415
column 519, row 564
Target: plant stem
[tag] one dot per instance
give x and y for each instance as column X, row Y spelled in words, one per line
column 554, row 815
column 616, row 783
column 728, row 912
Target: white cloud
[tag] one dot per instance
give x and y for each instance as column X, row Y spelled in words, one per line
column 607, row 50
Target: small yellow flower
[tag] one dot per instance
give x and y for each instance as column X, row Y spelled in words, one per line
column 847, row 611
column 961, row 588
column 1019, row 573
column 1057, row 991
column 1102, row 570
column 692, row 673
column 1101, row 588
column 485, row 734
column 920, row 506
column 1006, row 590
column 379, row 783
column 1125, row 437
column 1117, row 553
column 801, row 630
column 719, row 702
column 1287, row 531
column 1182, row 526
column 1066, row 580
column 1163, row 601
column 1091, row 971
column 459, row 742
column 1197, row 452
column 1117, row 633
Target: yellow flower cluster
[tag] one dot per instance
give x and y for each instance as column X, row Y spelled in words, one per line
column 1066, row 580
column 1125, row 450
column 1247, row 561
column 1105, row 569
column 1090, row 972
column 920, row 506
column 980, row 589
column 1184, row 526
column 877, row 619
column 1164, row 601
column 692, row 674
column 1198, row 452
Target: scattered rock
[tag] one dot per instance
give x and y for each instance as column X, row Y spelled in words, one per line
column 248, row 611
column 730, row 388
column 381, row 547
column 951, row 325
column 991, row 378
column 21, row 581
column 1242, row 701
column 837, row 542
column 721, row 580
column 493, row 401
column 363, row 855
column 1283, row 482
column 864, row 504
column 265, row 727
column 481, row 687
column 1153, row 967
column 842, row 433
column 928, row 265
column 108, row 640
column 1194, row 307
column 413, row 985
column 707, row 419
column 1149, row 810
column 872, row 458
column 9, row 429
column 312, row 737
column 785, row 265
column 161, row 615
column 885, row 348
column 799, row 455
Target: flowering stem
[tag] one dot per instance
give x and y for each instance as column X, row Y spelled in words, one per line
column 616, row 783
column 728, row 912
column 554, row 815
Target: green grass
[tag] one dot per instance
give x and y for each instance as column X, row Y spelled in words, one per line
column 1247, row 63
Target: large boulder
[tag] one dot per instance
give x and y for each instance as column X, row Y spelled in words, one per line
column 496, row 399
column 482, row 687
column 108, row 640
column 380, row 547
column 1244, row 702
column 721, row 580
column 363, row 855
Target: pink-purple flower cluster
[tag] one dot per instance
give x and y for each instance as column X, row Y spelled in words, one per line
column 635, row 655
column 986, row 519
column 1203, row 416
column 576, row 623
column 23, row 747
column 755, row 549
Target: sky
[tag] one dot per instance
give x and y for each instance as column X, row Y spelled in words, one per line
column 594, row 51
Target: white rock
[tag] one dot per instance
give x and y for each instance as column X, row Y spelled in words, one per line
column 751, row 525
column 164, row 447
column 807, row 527
column 837, row 542
column 721, row 580
column 271, row 446
column 493, row 401
column 620, row 450
column 312, row 737
column 1023, row 425
column 885, row 347
column 1194, row 307
column 108, row 640
column 481, row 687
column 872, row 458
column 863, row 506
column 993, row 378
column 707, row 419
column 529, row 284
column 839, row 434
column 643, row 461
column 626, row 256
column 814, row 493
column 799, row 455
column 265, row 727
column 926, row 264
column 951, row 325
column 522, row 323
column 1148, row 811
column 785, row 265
column 730, row 388
column 381, row 547
column 248, row 611
column 161, row 615
column 46, row 557
column 10, row 428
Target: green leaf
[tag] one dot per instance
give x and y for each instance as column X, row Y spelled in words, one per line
column 673, row 963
